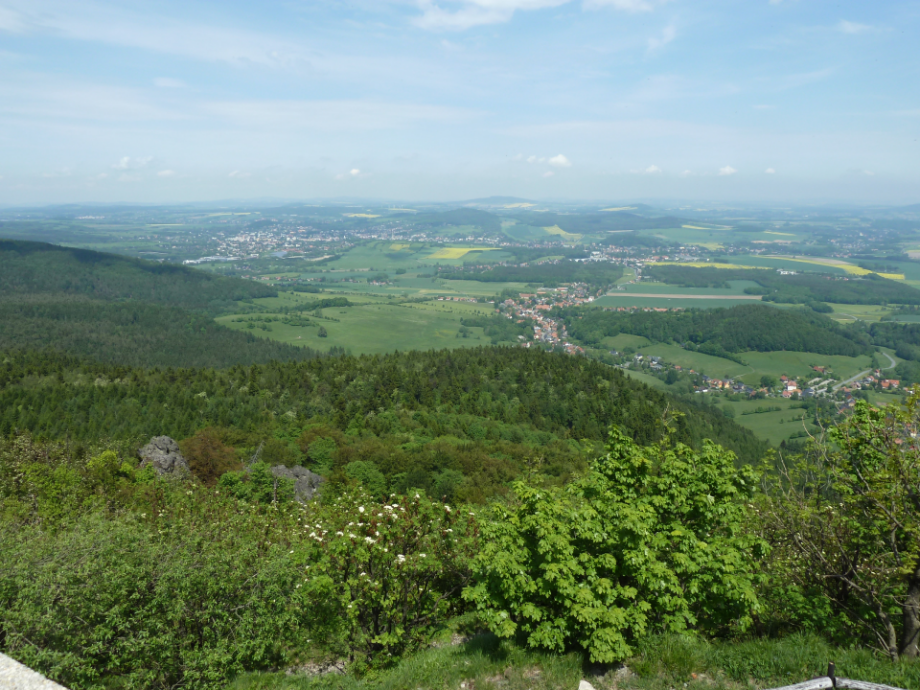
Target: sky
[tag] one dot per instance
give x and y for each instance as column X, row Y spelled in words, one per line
column 742, row 101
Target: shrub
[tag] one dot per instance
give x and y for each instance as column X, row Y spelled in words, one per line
column 189, row 595
column 390, row 573
column 208, row 457
column 648, row 540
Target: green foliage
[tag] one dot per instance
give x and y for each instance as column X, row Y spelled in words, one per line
column 389, row 574
column 648, row 540
column 738, row 329
column 593, row 223
column 189, row 593
column 499, row 328
column 368, row 475
column 489, row 223
column 845, row 522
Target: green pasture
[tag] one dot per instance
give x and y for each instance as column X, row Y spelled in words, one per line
column 712, row 238
column 716, row 367
column 624, row 300
column 647, row 379
column 800, row 364
column 774, row 427
column 858, row 312
column 378, row 328
column 624, row 340
column 736, row 289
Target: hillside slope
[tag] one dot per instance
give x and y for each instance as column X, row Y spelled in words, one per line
column 125, row 311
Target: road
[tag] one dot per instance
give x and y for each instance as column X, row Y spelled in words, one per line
column 867, row 371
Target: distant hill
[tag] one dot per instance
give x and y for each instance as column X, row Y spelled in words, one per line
column 488, row 223
column 738, row 329
column 125, row 311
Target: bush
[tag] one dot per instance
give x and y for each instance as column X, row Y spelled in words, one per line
column 186, row 596
column 390, row 574
column 208, row 457
column 648, row 540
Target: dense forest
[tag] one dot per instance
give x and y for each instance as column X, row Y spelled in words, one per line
column 738, row 329
column 482, row 412
column 547, row 273
column 127, row 311
column 794, row 289
column 35, row 268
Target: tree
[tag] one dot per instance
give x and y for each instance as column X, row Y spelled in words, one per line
column 768, row 381
column 648, row 540
column 322, row 332
column 845, row 520
column 208, row 457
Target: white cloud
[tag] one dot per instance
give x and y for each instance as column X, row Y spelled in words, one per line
column 166, row 173
column 239, row 174
column 354, row 172
column 668, row 34
column 853, row 27
column 167, row 83
column 770, row 171
column 102, row 176
column 686, row 173
column 560, row 161
column 727, row 170
column 10, row 21
column 548, row 173
column 652, row 170
column 625, row 5
column 466, row 14
column 128, row 163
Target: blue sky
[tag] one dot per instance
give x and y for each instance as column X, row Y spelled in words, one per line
column 747, row 101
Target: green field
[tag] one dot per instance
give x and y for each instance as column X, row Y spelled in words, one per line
column 775, row 427
column 624, row 340
column 624, row 300
column 380, row 328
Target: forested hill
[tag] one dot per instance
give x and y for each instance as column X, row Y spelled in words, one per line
column 36, row 268
column 738, row 329
column 485, row 411
column 124, row 311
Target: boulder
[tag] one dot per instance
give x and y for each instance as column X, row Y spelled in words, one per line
column 164, row 455
column 306, row 483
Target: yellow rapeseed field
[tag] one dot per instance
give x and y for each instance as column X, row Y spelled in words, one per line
column 458, row 252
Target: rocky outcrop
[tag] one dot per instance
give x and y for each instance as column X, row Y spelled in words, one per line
column 163, row 454
column 306, row 483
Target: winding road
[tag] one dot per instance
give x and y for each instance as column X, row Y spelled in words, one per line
column 867, row 371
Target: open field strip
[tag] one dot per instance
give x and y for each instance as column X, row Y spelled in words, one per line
column 685, row 296
column 848, row 267
column 458, row 252
column 627, row 299
column 556, row 230
column 774, row 232
column 702, row 264
column 361, row 215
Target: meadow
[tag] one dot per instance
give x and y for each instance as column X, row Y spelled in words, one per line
column 690, row 302
column 376, row 327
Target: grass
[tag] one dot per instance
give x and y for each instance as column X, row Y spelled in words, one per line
column 624, row 300
column 703, row 264
column 774, row 427
column 659, row 663
column 556, row 230
column 378, row 328
column 623, row 340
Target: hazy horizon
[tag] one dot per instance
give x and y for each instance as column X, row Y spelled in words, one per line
column 770, row 102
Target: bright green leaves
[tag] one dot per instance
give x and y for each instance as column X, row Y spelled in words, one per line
column 648, row 540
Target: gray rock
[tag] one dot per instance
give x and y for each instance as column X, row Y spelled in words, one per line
column 585, row 685
column 163, row 454
column 306, row 483
column 15, row 676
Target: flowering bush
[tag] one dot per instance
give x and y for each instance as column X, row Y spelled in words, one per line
column 391, row 572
